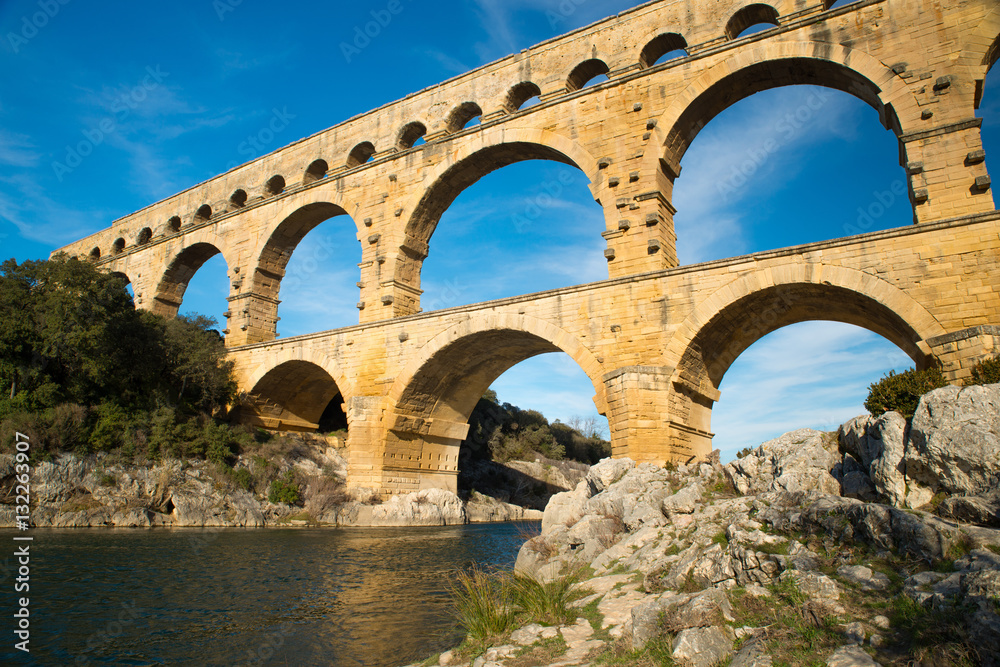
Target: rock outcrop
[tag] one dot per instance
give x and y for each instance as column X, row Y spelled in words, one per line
column 80, row 492
column 784, row 555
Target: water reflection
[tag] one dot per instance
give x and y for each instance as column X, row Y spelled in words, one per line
column 260, row 597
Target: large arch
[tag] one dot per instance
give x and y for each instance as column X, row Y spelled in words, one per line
column 744, row 311
column 289, row 394
column 489, row 151
column 181, row 267
column 432, row 398
column 981, row 51
column 776, row 64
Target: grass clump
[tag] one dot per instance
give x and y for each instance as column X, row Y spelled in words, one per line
column 490, row 605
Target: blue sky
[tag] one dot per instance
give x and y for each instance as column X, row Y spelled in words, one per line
column 168, row 95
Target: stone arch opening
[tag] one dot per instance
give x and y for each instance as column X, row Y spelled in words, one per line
column 668, row 43
column 238, row 199
column 95, row 254
column 756, row 16
column 361, row 154
column 520, row 96
column 275, row 185
column 432, row 404
column 203, row 214
column 586, row 74
column 460, row 176
column 463, row 115
column 410, row 135
column 118, row 247
column 837, row 4
column 177, row 276
column 294, row 396
column 309, row 282
column 733, row 327
column 144, row 236
column 316, row 171
column 173, row 225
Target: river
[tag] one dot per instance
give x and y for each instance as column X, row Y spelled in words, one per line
column 354, row 596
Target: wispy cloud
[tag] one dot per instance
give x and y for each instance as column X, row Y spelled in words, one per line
column 42, row 219
column 17, row 150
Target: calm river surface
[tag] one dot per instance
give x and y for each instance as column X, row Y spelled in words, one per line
column 298, row 597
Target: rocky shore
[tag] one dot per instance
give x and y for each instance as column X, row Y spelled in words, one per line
column 874, row 545
column 98, row 491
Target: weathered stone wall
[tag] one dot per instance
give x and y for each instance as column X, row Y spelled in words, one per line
column 655, row 339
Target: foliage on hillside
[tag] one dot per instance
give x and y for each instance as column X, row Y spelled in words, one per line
column 82, row 370
column 902, row 391
column 505, row 432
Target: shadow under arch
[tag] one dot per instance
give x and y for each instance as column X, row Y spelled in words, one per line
column 780, row 64
column 431, row 400
column 484, row 154
column 743, row 312
column 180, row 269
column 291, row 395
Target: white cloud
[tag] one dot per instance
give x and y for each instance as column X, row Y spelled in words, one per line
column 17, row 150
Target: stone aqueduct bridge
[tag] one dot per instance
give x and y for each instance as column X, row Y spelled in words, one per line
column 655, row 338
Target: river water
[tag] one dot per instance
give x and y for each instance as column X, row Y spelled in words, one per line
column 298, row 597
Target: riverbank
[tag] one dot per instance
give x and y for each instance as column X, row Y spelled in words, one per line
column 300, row 483
column 875, row 545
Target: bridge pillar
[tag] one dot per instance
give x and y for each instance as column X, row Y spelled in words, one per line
column 251, row 318
column 958, row 352
column 652, row 420
column 364, row 464
column 946, row 166
column 640, row 222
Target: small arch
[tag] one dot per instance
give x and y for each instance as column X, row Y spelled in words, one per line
column 750, row 16
column 275, row 185
column 144, row 236
column 520, row 95
column 174, row 224
column 119, row 246
column 463, row 115
column 661, row 45
column 316, row 171
column 837, row 4
column 361, row 154
column 293, row 396
column 238, row 199
column 586, row 72
column 410, row 134
column 203, row 214
column 95, row 254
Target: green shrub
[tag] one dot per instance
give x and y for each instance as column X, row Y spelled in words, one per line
column 111, row 424
column 243, row 478
column 986, row 371
column 901, row 392
column 284, row 490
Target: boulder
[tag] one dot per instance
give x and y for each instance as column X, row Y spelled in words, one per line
column 955, row 440
column 701, row 647
column 878, row 444
column 851, row 656
column 798, row 461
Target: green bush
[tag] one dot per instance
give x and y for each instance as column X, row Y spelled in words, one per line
column 284, row 490
column 243, row 478
column 986, row 371
column 901, row 392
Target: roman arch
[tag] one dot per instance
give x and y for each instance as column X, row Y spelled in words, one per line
column 655, row 338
